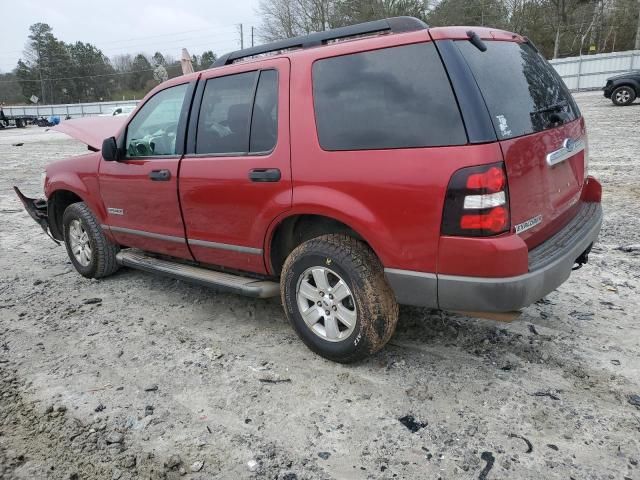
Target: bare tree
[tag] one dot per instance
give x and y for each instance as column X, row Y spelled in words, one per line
column 289, row 18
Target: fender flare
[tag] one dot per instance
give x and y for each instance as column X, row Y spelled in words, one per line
column 627, row 82
column 358, row 217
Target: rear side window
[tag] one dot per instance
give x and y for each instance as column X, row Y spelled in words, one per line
column 264, row 124
column 237, row 115
column 397, row 97
column 223, row 126
column 523, row 92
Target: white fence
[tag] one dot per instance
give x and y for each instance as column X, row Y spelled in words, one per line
column 72, row 110
column 590, row 72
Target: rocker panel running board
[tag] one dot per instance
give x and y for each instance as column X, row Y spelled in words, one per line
column 247, row 286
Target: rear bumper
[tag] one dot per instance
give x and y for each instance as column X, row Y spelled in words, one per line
column 550, row 265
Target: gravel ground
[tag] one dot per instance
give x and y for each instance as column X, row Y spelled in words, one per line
column 138, row 376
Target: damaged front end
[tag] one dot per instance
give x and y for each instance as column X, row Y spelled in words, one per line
column 38, row 210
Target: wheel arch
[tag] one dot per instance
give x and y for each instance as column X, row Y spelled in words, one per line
column 296, row 227
column 628, row 82
column 57, row 203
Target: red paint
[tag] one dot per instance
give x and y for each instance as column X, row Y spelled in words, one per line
column 92, row 130
column 219, row 202
column 592, row 191
column 537, row 189
column 460, row 33
column 503, row 256
column 148, row 205
column 391, row 198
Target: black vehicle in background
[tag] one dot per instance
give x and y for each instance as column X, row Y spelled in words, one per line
column 623, row 89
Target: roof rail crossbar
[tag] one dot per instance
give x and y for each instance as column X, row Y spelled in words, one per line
column 392, row 25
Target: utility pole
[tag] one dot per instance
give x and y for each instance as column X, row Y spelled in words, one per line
column 241, row 38
column 40, row 71
column 252, row 29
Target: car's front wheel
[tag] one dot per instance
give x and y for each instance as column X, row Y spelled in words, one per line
column 624, row 95
column 90, row 251
column 337, row 298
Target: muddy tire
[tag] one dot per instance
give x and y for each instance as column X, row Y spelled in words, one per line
column 91, row 253
column 623, row 96
column 337, row 298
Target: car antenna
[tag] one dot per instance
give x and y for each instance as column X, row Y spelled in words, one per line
column 476, row 41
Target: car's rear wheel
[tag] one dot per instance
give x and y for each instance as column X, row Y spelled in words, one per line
column 624, row 95
column 337, row 298
column 90, row 251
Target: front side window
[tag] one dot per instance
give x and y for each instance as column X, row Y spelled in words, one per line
column 397, row 97
column 237, row 116
column 153, row 130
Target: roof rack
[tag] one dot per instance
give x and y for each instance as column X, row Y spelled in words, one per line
column 392, row 25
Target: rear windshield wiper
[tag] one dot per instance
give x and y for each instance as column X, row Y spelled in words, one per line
column 476, row 41
column 554, row 107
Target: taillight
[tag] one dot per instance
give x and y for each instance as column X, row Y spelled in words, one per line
column 477, row 202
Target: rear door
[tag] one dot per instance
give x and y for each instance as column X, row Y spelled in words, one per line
column 236, row 176
column 140, row 192
column 541, row 134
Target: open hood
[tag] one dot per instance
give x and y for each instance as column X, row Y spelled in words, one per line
column 91, row 130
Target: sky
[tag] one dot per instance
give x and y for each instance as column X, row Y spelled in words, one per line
column 121, row 26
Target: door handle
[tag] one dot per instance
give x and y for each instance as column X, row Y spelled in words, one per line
column 265, row 175
column 160, row 175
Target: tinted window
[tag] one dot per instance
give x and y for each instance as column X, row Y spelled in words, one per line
column 264, row 124
column 153, row 130
column 223, row 126
column 523, row 92
column 392, row 98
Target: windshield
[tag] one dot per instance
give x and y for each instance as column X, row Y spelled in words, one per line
column 523, row 92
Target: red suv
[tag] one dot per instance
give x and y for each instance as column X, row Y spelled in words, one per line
column 347, row 171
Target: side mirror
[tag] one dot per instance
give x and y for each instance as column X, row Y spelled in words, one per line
column 110, row 149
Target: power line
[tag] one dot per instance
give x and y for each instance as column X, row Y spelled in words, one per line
column 109, row 42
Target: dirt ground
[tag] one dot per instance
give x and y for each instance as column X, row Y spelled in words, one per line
column 138, row 376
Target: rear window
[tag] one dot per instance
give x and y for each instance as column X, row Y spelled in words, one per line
column 523, row 92
column 396, row 97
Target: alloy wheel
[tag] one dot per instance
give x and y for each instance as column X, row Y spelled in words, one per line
column 326, row 304
column 80, row 245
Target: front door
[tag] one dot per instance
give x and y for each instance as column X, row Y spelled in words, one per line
column 236, row 176
column 140, row 192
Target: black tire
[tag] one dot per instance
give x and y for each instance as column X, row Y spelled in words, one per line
column 623, row 96
column 361, row 270
column 103, row 253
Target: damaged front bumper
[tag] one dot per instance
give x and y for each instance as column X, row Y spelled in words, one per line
column 37, row 209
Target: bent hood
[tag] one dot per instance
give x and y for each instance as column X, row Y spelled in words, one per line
column 91, row 130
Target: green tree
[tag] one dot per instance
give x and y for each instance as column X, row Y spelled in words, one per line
column 158, row 59
column 92, row 71
column 207, row 59
column 141, row 73
column 10, row 91
column 49, row 64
